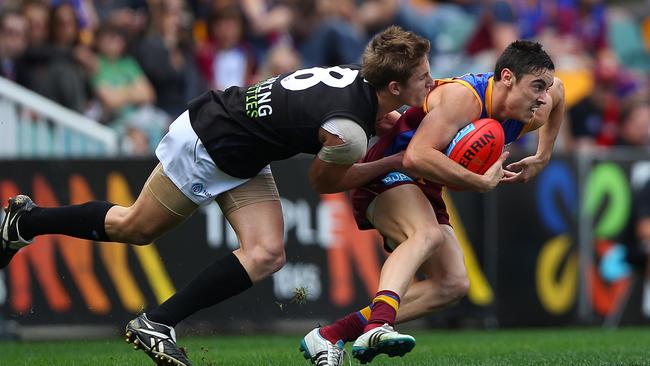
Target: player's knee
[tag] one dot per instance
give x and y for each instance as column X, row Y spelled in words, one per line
column 141, row 235
column 127, row 230
column 268, row 259
column 455, row 288
column 146, row 236
column 430, row 238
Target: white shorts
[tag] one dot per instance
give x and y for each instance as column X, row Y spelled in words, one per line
column 189, row 166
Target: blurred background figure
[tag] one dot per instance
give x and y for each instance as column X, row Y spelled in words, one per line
column 167, row 59
column 56, row 67
column 325, row 35
column 13, row 41
column 226, row 58
column 125, row 95
column 594, row 118
column 131, row 16
column 37, row 13
column 281, row 58
column 635, row 125
column 86, row 16
column 268, row 24
column 601, row 50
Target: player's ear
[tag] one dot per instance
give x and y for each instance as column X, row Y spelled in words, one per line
column 507, row 77
column 393, row 88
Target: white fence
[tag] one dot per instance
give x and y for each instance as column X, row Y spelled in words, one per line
column 32, row 126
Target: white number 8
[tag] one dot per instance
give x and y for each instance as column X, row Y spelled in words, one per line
column 317, row 75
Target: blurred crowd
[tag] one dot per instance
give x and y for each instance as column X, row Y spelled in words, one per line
column 133, row 64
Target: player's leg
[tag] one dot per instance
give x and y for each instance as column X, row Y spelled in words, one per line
column 193, row 180
column 185, row 162
column 140, row 223
column 159, row 195
column 406, row 216
column 446, row 281
column 403, row 213
column 160, row 207
column 254, row 211
column 328, row 341
column 260, row 229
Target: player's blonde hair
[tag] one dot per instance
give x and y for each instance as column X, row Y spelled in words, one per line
column 392, row 55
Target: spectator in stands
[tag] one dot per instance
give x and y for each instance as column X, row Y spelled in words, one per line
column 448, row 26
column 38, row 16
column 503, row 21
column 584, row 21
column 13, row 41
column 324, row 38
column 167, row 60
column 131, row 16
column 268, row 24
column 374, row 15
column 85, row 10
column 281, row 58
column 267, row 19
column 226, row 59
column 595, row 118
column 125, row 94
column 55, row 69
column 496, row 29
column 634, row 128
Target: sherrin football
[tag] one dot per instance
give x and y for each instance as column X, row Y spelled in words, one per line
column 478, row 145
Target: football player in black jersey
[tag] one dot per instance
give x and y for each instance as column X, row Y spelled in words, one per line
column 220, row 149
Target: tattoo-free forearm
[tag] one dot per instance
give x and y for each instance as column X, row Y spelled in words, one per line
column 331, row 178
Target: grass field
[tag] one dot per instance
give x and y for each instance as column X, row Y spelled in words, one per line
column 628, row 346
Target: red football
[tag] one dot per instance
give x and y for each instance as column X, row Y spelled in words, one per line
column 478, row 145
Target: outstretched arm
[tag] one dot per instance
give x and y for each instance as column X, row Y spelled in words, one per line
column 332, row 176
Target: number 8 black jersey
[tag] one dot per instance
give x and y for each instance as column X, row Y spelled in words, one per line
column 244, row 129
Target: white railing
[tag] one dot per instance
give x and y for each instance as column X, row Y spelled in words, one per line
column 33, row 126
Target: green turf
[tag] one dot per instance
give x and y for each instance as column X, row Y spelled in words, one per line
column 629, row 346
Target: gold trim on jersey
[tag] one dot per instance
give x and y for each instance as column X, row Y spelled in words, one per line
column 488, row 97
column 439, row 82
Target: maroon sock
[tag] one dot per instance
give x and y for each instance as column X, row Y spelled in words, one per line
column 348, row 328
column 384, row 310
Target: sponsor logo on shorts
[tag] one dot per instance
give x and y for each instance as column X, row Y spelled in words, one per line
column 395, row 177
column 199, row 190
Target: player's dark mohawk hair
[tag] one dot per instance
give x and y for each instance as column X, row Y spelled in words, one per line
column 523, row 57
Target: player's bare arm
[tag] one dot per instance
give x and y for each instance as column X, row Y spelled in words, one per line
column 548, row 120
column 451, row 107
column 330, row 177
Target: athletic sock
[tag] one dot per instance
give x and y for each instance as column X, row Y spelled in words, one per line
column 222, row 279
column 85, row 221
column 348, row 328
column 384, row 309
